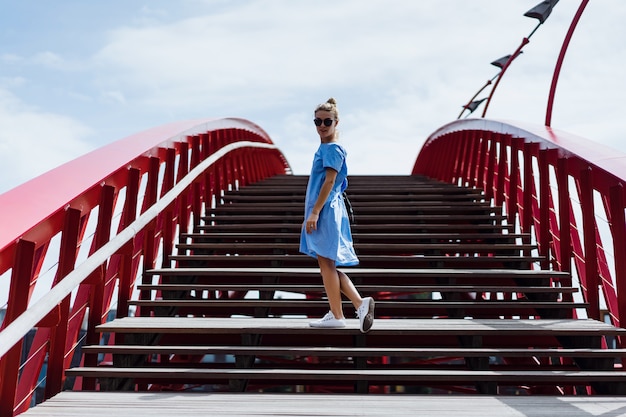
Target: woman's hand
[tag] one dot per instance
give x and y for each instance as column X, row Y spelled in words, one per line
column 311, row 222
column 327, row 187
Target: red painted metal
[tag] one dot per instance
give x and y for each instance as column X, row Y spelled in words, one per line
column 134, row 174
column 539, row 200
column 559, row 61
column 23, row 267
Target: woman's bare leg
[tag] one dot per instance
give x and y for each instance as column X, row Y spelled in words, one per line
column 349, row 290
column 336, row 283
column 332, row 285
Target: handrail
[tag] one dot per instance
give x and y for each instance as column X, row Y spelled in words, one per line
column 43, row 197
column 15, row 331
column 551, row 184
column 176, row 169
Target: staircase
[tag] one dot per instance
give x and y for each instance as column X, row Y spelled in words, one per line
column 462, row 306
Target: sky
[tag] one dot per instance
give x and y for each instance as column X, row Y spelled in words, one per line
column 76, row 75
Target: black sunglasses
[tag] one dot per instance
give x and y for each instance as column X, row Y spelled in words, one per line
column 318, row 121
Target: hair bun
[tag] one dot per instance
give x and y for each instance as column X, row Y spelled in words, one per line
column 331, row 106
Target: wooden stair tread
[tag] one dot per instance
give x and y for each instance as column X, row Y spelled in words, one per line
column 406, row 327
column 360, row 236
column 359, row 272
column 362, row 288
column 386, row 188
column 297, row 218
column 298, row 198
column 161, row 404
column 395, row 260
column 384, row 305
column 388, row 375
column 353, row 351
column 376, row 205
column 357, row 227
column 374, row 247
column 271, row 209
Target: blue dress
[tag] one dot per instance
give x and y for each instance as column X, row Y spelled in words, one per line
column 333, row 238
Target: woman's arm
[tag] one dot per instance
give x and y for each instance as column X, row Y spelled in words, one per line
column 327, row 187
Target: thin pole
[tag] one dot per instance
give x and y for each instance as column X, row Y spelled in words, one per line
column 559, row 62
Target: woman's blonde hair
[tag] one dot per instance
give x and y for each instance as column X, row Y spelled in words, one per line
column 329, row 106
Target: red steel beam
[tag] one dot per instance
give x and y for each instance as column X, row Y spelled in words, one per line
column 599, row 172
column 61, row 202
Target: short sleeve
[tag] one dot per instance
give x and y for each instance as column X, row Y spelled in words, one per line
column 334, row 157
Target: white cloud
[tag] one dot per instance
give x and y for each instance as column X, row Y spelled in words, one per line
column 11, row 82
column 33, row 142
column 149, row 11
column 114, row 96
column 10, row 58
column 399, row 70
column 49, row 59
column 263, row 49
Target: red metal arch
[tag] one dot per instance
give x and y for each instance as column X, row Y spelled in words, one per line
column 551, row 184
column 135, row 192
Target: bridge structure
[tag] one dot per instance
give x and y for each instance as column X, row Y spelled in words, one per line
column 496, row 265
column 160, row 275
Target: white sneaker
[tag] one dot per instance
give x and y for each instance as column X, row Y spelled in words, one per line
column 329, row 321
column 365, row 313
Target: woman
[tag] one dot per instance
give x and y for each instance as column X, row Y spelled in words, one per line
column 326, row 232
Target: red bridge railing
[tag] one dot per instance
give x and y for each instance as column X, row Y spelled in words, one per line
column 73, row 241
column 567, row 192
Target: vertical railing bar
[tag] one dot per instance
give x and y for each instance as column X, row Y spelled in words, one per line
column 18, row 293
column 473, row 157
column 491, row 168
column 589, row 230
column 460, row 177
column 512, row 208
column 96, row 281
column 129, row 215
column 564, row 263
column 482, row 164
column 544, row 208
column 67, row 260
column 498, row 183
column 618, row 231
